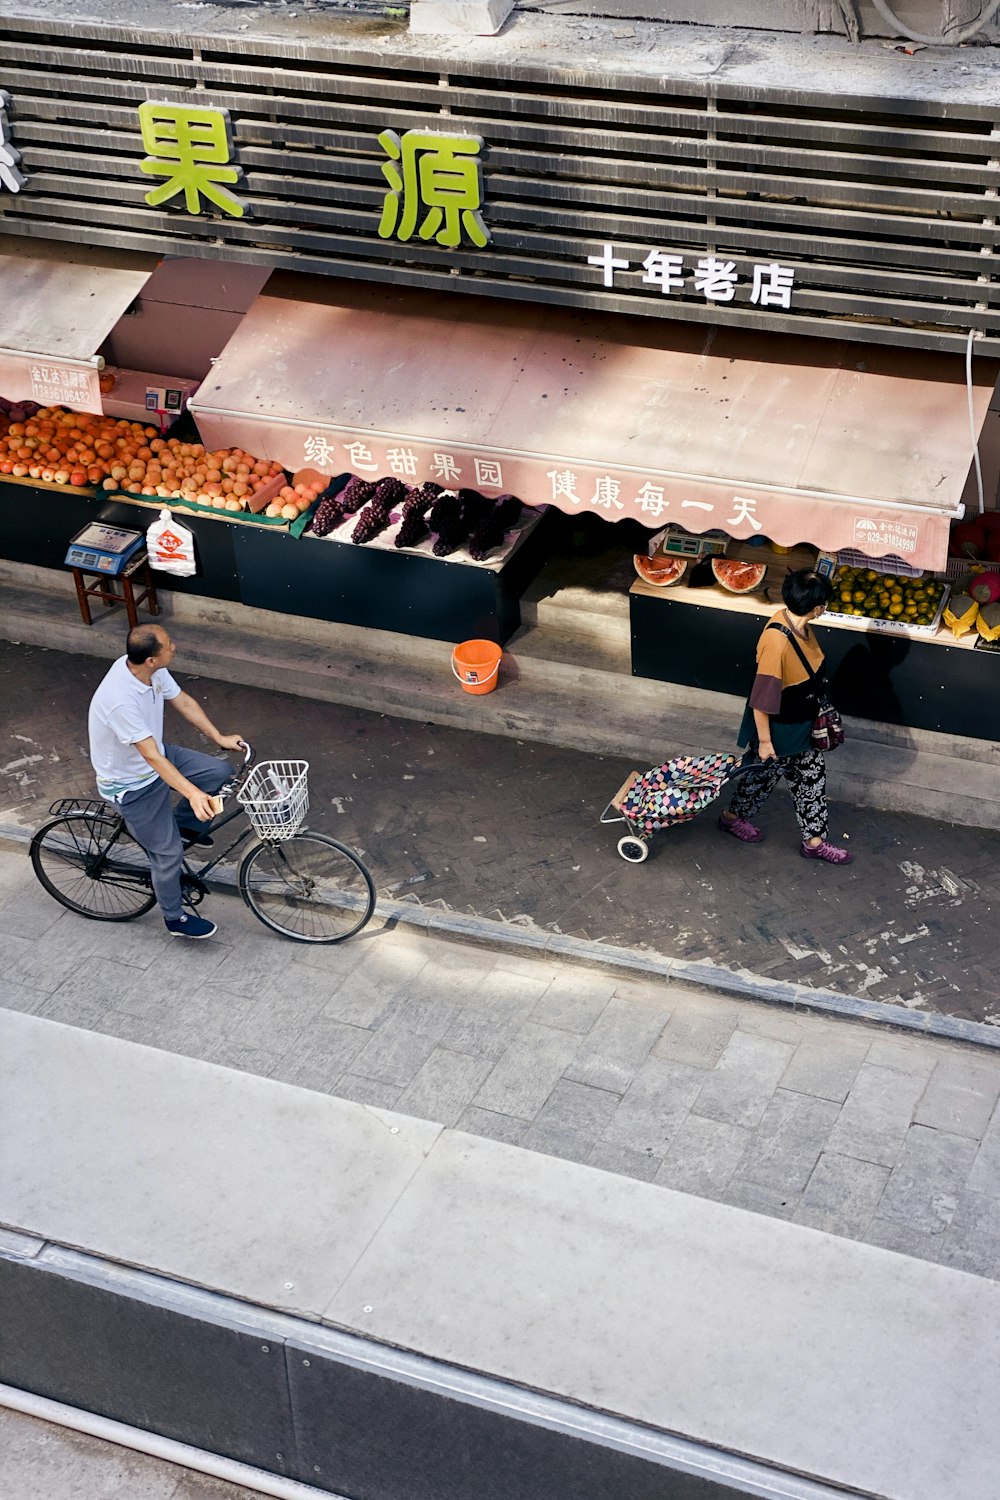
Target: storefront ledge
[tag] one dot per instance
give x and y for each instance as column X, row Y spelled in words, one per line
column 540, row 700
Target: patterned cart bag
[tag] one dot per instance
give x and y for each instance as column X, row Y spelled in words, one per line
column 677, row 791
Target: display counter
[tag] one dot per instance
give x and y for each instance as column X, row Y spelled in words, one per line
column 374, row 585
column 705, row 638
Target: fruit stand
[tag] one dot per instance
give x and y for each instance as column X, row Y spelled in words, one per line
column 443, row 564
column 901, row 665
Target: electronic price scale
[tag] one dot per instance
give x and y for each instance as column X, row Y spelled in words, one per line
column 104, row 549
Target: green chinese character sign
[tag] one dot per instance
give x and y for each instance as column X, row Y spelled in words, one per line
column 190, row 146
column 439, row 177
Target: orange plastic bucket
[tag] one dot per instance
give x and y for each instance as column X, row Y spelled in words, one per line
column 476, row 665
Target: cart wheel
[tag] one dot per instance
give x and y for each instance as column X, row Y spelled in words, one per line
column 633, row 849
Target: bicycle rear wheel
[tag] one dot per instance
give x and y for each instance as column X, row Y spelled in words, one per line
column 309, row 888
column 91, row 865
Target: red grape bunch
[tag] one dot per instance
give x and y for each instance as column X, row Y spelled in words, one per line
column 356, row 493
column 329, row 514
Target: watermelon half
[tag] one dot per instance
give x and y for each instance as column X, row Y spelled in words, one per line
column 659, row 571
column 738, row 577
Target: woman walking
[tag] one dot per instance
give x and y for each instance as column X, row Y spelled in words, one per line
column 777, row 723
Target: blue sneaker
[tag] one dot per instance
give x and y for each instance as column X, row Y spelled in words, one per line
column 190, row 926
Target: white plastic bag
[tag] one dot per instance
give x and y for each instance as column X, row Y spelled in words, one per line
column 170, row 546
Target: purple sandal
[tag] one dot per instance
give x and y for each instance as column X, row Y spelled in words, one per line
column 829, row 853
column 740, row 829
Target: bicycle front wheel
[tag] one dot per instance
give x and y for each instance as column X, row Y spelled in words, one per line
column 309, row 888
column 94, row 867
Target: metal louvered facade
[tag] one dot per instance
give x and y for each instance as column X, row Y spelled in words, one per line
column 885, row 214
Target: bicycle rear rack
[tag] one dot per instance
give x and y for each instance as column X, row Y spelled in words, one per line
column 91, row 807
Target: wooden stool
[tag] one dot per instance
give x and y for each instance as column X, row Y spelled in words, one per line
column 105, row 589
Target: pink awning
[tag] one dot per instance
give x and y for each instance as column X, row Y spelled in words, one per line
column 796, row 439
column 59, row 305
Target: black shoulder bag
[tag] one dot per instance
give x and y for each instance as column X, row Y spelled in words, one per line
column 828, row 726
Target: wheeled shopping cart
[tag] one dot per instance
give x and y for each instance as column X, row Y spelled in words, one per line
column 672, row 793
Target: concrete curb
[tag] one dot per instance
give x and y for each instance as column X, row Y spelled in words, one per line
column 527, row 939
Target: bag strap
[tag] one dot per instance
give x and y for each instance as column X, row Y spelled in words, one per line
column 814, row 676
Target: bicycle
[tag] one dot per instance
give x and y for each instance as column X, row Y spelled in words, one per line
column 303, row 885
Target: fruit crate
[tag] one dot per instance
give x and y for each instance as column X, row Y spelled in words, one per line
column 889, row 627
column 961, row 567
column 850, row 558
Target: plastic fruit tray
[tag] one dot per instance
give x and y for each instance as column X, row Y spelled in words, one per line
column 890, row 627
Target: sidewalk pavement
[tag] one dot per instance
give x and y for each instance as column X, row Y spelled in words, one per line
column 44, row 1462
column 847, row 1127
column 508, row 831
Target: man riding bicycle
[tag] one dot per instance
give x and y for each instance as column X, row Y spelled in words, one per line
column 137, row 771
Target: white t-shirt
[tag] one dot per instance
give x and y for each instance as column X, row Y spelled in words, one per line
column 122, row 712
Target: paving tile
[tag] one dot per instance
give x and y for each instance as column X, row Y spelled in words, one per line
column 876, row 1114
column 623, row 1162
column 695, row 1038
column 789, row 1140
column 41, row 966
column 73, row 1010
column 553, row 1140
column 775, row 1021
column 230, row 1052
column 985, row 1174
column 372, row 1091
column 703, row 1156
column 891, row 1234
column 99, row 984
column 487, row 1033
column 536, row 969
column 573, row 1001
column 495, row 1126
column 907, row 1054
column 394, row 1055
column 842, row 1195
column 276, row 1022
column 924, row 1186
column 960, row 1097
column 323, row 1051
column 526, row 1073
column 740, row 1086
column 256, row 967
column 364, row 997
column 655, row 1104
column 972, row 1240
column 825, row 1067
column 427, row 1015
column 576, row 1106
column 618, row 1043
column 29, row 912
column 20, row 997
column 761, row 1200
column 444, row 1086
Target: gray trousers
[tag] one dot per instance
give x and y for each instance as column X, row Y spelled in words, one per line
column 153, row 824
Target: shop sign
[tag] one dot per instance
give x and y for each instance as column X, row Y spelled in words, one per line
column 438, row 176
column 191, row 147
column 10, row 177
column 882, row 538
column 55, row 385
column 716, row 280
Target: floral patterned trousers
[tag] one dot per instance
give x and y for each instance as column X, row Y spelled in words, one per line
column 805, row 774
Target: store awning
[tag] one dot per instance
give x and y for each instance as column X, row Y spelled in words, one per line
column 58, row 308
column 800, row 440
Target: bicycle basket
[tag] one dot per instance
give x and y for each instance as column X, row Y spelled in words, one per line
column 275, row 797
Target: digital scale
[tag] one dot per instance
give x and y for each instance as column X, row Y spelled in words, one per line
column 104, row 549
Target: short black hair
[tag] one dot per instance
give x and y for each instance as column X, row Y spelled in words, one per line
column 142, row 643
column 805, row 590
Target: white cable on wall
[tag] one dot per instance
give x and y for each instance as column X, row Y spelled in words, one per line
column 972, row 422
